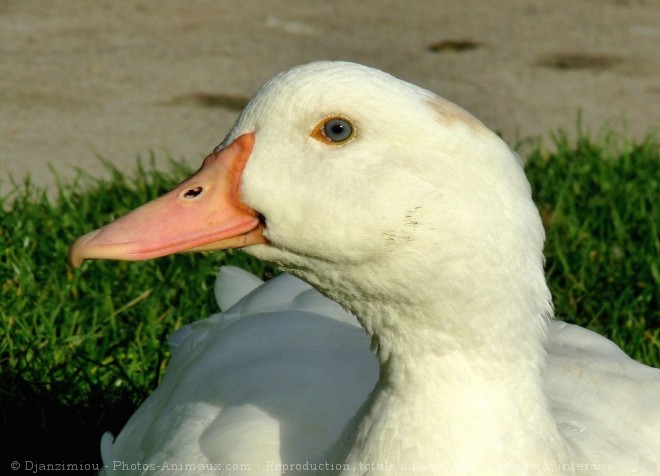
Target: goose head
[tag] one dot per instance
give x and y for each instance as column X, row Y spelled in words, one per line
column 368, row 187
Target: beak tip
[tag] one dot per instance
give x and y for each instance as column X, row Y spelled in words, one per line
column 74, row 256
column 78, row 251
column 74, row 260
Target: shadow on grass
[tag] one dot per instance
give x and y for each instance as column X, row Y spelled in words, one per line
column 39, row 426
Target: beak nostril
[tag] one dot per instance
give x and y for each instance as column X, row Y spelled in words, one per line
column 193, row 192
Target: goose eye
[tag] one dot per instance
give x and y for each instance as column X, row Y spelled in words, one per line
column 337, row 130
column 334, row 130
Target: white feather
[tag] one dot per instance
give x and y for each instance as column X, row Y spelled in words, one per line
column 424, row 227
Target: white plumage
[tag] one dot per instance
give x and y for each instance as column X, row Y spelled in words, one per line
column 421, row 223
column 271, row 380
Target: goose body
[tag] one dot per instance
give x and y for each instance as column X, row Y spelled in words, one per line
column 412, row 215
column 253, row 387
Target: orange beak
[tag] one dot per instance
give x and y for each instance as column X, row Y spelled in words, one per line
column 202, row 213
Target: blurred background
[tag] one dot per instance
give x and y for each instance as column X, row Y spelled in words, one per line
column 119, row 80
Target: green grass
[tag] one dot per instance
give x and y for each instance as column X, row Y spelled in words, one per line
column 600, row 203
column 79, row 350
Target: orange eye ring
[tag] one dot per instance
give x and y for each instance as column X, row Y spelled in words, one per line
column 334, row 130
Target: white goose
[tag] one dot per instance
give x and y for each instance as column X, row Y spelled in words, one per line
column 410, row 213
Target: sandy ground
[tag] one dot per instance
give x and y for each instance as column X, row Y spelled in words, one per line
column 120, row 79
